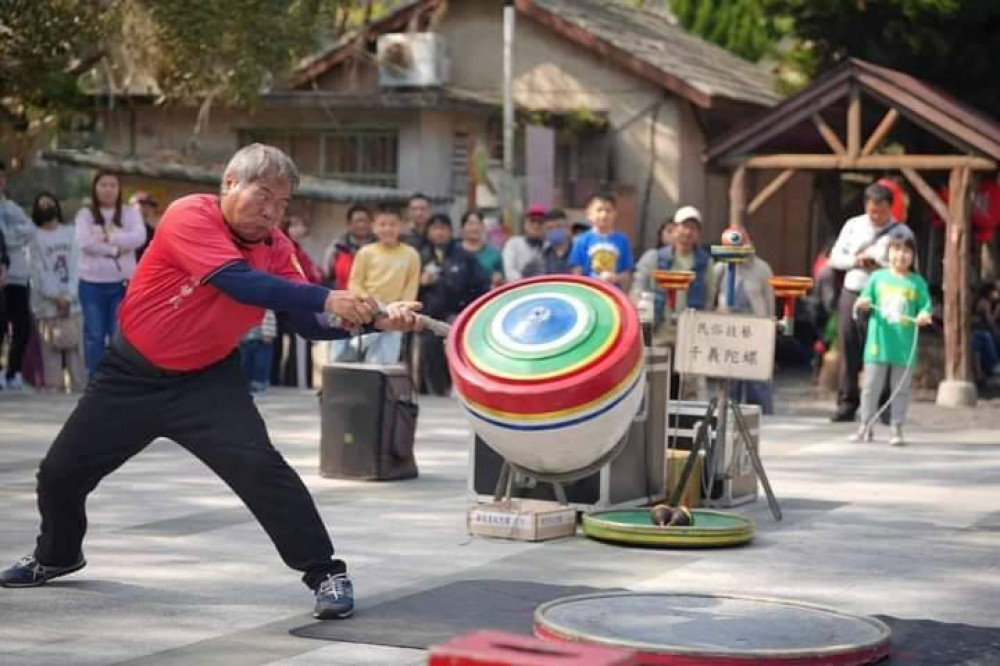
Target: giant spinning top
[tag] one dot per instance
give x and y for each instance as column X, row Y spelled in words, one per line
column 550, row 372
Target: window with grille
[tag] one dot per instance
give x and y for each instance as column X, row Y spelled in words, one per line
column 369, row 157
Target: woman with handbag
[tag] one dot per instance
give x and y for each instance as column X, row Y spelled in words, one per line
column 52, row 259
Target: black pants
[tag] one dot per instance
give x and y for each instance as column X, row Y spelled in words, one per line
column 211, row 414
column 284, row 359
column 851, row 337
column 17, row 314
column 434, row 364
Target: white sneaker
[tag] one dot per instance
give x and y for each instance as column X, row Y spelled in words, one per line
column 896, row 439
column 15, row 383
column 863, row 435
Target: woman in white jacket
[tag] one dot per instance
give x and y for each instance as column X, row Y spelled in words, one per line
column 53, row 260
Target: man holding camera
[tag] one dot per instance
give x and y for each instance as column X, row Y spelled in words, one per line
column 861, row 249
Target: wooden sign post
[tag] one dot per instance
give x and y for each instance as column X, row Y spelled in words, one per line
column 727, row 347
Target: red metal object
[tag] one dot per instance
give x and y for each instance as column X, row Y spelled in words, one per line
column 497, row 648
column 985, row 211
column 672, row 282
column 789, row 288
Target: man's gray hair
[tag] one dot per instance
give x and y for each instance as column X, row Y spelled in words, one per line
column 258, row 161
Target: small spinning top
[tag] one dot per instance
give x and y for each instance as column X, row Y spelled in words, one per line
column 673, row 282
column 736, row 247
column 663, row 515
column 789, row 288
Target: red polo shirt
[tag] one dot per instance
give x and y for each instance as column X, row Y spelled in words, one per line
column 170, row 314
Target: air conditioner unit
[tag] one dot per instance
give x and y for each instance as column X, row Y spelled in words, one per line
column 411, row 60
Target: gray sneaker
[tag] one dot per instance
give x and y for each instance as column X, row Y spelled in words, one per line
column 27, row 572
column 334, row 598
column 896, row 439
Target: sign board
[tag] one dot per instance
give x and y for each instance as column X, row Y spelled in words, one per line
column 732, row 346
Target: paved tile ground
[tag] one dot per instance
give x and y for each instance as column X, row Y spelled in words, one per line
column 180, row 573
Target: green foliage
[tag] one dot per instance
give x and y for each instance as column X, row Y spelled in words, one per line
column 228, row 49
column 44, row 46
column 740, row 26
column 225, row 50
column 953, row 44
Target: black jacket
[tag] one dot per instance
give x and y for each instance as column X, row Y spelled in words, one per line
column 460, row 281
column 4, row 257
column 550, row 263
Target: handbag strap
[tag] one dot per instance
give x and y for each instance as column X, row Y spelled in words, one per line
column 881, row 232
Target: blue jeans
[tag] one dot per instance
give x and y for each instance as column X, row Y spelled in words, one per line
column 986, row 348
column 99, row 302
column 256, row 355
column 381, row 348
column 754, row 393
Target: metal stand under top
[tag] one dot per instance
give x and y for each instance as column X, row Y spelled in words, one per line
column 703, row 440
column 506, row 484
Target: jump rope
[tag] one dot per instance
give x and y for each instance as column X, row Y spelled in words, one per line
column 905, row 377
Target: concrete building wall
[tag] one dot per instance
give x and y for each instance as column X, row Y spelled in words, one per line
column 166, row 131
column 553, row 74
column 425, row 138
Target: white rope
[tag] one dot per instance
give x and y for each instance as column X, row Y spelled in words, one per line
column 906, row 373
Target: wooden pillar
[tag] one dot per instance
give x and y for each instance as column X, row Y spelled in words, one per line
column 854, row 123
column 957, row 301
column 738, row 198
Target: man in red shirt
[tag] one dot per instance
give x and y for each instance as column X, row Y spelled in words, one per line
column 173, row 371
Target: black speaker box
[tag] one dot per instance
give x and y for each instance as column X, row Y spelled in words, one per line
column 368, row 418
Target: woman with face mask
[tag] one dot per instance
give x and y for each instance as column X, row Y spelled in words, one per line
column 52, row 261
column 555, row 252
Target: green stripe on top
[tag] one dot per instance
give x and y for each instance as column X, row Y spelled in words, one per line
column 493, row 356
column 540, row 325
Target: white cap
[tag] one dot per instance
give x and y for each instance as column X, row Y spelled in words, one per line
column 687, row 213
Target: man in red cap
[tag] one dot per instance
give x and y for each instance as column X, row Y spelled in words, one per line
column 520, row 251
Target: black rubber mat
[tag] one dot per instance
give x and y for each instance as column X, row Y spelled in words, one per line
column 439, row 614
column 930, row 643
column 433, row 617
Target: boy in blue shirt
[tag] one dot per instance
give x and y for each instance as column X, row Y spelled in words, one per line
column 603, row 252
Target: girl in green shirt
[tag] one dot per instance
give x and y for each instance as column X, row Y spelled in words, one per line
column 899, row 302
